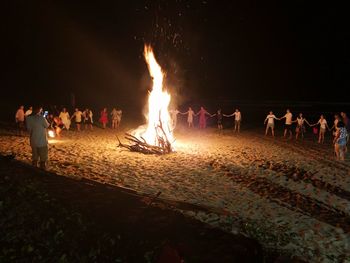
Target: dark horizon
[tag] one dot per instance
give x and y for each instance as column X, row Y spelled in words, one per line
column 210, row 51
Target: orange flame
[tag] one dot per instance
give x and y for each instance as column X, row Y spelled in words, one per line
column 158, row 102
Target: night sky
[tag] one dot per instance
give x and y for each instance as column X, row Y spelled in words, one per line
column 211, row 50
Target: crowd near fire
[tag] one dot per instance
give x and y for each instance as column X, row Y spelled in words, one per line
column 161, row 122
column 175, row 131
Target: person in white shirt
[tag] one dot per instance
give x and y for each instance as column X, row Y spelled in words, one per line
column 114, row 116
column 64, row 116
column 270, row 119
column 288, row 124
column 190, row 114
column 173, row 116
column 323, row 126
column 78, row 117
column 238, row 118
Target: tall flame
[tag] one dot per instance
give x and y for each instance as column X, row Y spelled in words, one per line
column 158, row 101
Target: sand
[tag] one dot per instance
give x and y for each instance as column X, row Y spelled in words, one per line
column 292, row 196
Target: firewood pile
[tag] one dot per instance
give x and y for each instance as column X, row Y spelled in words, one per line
column 140, row 145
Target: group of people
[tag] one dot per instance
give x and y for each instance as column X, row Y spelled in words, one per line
column 340, row 128
column 20, row 118
column 37, row 122
column 59, row 121
column 116, row 117
column 203, row 114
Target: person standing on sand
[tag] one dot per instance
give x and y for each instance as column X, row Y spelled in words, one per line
column 87, row 116
column 20, row 120
column 219, row 120
column 202, row 119
column 336, row 121
column 37, row 127
column 104, row 118
column 288, row 124
column 270, row 119
column 335, row 124
column 173, row 116
column 300, row 129
column 323, row 126
column 340, row 140
column 114, row 116
column 238, row 118
column 119, row 117
column 78, row 118
column 190, row 114
column 64, row 116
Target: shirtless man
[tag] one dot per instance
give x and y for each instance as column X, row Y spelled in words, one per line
column 288, row 124
column 238, row 117
column 300, row 129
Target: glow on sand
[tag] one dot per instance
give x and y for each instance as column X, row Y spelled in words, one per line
column 158, row 102
column 51, row 134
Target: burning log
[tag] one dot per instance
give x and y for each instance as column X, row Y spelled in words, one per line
column 164, row 145
column 143, row 147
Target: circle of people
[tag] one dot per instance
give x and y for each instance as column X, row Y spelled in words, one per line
column 341, row 124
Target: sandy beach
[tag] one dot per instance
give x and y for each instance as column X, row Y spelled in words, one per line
column 291, row 196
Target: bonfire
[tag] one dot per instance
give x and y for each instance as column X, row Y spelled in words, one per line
column 156, row 136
